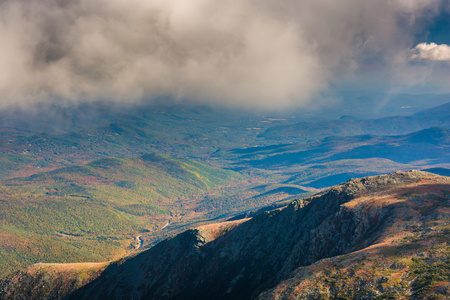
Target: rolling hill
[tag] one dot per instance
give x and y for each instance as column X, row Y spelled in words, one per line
column 94, row 212
column 65, row 137
column 90, row 133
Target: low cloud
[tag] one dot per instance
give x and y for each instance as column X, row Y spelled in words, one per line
column 263, row 53
column 431, row 51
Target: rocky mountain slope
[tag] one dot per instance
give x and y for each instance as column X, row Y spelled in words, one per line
column 381, row 237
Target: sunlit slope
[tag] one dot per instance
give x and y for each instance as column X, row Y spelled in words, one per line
column 92, row 212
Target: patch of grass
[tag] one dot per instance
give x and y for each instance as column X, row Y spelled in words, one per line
column 388, row 296
column 397, row 251
column 143, row 210
column 429, row 274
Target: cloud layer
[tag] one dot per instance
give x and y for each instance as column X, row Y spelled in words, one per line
column 262, row 53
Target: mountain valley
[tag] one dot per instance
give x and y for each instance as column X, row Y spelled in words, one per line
column 81, row 204
column 375, row 237
column 224, row 150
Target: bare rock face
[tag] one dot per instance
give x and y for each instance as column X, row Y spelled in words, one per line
column 378, row 236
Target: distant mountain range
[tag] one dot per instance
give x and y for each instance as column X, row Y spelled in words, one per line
column 429, row 144
column 332, row 160
column 350, row 126
column 191, row 132
column 381, row 237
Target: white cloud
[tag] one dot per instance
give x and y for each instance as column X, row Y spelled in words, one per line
column 431, row 51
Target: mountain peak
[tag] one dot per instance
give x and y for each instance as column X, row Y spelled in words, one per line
column 384, row 181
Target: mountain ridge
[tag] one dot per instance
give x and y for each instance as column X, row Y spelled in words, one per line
column 389, row 217
column 259, row 253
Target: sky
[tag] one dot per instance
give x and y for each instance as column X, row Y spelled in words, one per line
column 247, row 53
